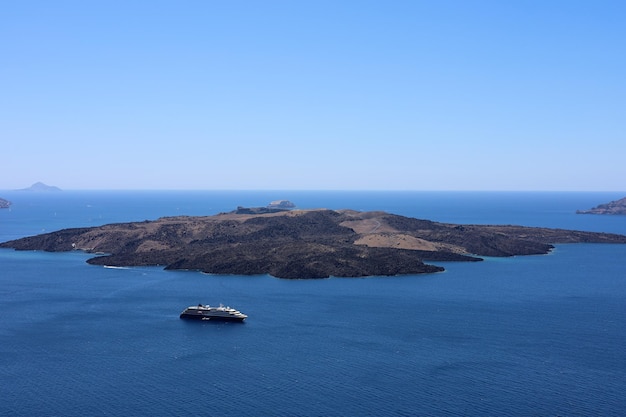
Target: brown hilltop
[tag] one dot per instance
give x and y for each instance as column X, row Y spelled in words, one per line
column 302, row 243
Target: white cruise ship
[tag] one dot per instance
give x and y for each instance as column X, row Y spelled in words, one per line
column 207, row 312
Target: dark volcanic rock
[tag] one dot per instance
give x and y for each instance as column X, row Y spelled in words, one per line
column 302, row 243
column 614, row 207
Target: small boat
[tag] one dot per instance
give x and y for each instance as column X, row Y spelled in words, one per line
column 207, row 312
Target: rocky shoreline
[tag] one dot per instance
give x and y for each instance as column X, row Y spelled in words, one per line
column 302, row 243
column 614, row 207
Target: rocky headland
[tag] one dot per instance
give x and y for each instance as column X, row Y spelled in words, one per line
column 302, row 243
column 614, row 207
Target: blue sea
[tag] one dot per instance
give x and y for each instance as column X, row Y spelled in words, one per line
column 522, row 336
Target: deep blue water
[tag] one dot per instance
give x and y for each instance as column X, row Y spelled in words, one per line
column 536, row 335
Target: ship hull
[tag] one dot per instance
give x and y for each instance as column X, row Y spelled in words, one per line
column 200, row 317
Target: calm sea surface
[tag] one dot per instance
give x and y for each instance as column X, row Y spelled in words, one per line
column 524, row 336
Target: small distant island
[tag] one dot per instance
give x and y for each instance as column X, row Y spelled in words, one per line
column 273, row 207
column 40, row 187
column 281, row 204
column 302, row 243
column 614, row 207
column 4, row 203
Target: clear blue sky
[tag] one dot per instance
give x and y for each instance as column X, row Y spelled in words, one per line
column 315, row 94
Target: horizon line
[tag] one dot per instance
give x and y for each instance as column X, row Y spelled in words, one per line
column 304, row 190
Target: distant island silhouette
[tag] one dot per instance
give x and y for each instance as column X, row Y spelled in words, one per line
column 40, row 187
column 614, row 207
column 302, row 243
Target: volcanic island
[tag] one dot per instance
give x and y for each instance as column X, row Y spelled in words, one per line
column 614, row 207
column 297, row 244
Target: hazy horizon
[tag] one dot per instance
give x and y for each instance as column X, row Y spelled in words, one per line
column 279, row 95
column 26, row 189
